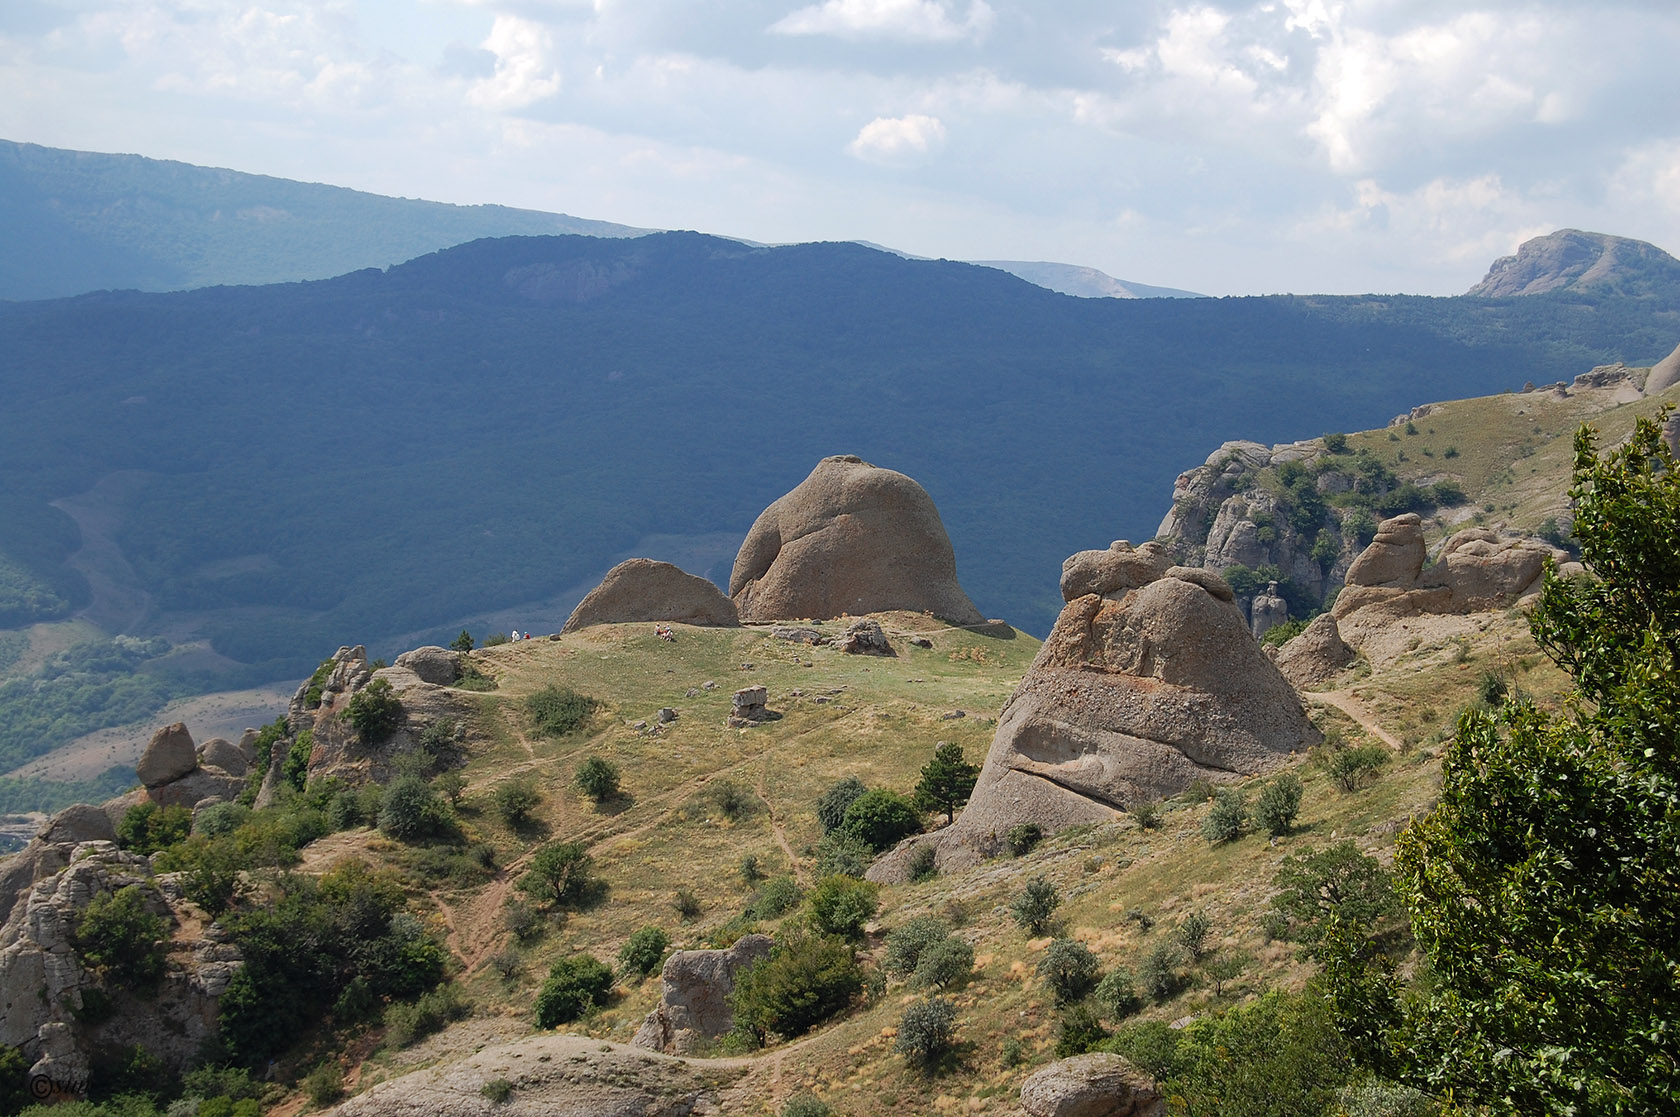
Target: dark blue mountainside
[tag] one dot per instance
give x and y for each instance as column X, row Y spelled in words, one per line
column 75, row 221
column 391, row 454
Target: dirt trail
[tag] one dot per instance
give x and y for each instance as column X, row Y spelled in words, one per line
column 1350, row 704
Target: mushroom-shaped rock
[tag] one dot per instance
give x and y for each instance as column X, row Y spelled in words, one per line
column 1315, row 655
column 170, row 755
column 1129, row 699
column 641, row 589
column 1394, row 558
column 435, row 665
column 219, row 752
column 1096, row 1085
column 694, row 995
column 850, row 538
column 1116, row 570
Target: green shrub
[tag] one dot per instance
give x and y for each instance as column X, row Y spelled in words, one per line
column 1224, row 967
column 947, row 964
column 1335, row 443
column 557, row 710
column 926, row 1031
column 316, row 686
column 844, row 853
column 733, row 800
column 463, row 642
column 644, row 951
column 841, row 905
column 1353, row 768
column 146, row 827
column 598, row 779
column 294, row 772
column 923, row 864
column 806, row 978
column 1147, row 813
column 1160, row 974
column 1192, row 933
column 1280, row 1054
column 686, row 904
column 220, row 818
column 574, row 985
column 1281, row 634
column 452, row 786
column 1079, row 1029
column 1022, row 837
column 905, row 944
column 881, row 817
column 374, row 712
column 1226, row 818
column 1117, row 993
column 831, row 806
column 497, row 1090
column 523, row 922
column 325, row 1084
column 1337, row 880
column 1279, row 805
column 1036, row 905
column 560, row 873
column 210, row 873
column 1069, row 969
column 749, row 869
column 1152, row 1047
column 431, row 1012
column 412, row 811
column 806, row 1105
column 515, row 799
column 776, row 897
column 117, row 938
column 495, row 640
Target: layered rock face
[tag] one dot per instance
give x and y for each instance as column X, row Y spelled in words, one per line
column 694, row 995
column 1478, row 569
column 641, row 589
column 1133, row 695
column 43, row 981
column 852, row 538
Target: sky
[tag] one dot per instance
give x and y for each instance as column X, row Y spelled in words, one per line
column 1225, row 147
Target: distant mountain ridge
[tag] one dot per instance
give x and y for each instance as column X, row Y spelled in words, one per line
column 1083, row 282
column 1574, row 260
column 76, row 221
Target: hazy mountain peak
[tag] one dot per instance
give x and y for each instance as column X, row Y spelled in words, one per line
column 1571, row 259
column 1084, row 282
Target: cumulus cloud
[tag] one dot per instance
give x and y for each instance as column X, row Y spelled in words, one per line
column 524, row 74
column 914, row 20
column 898, row 139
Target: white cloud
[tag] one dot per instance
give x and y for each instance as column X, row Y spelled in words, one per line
column 898, row 139
column 916, row 20
column 524, row 75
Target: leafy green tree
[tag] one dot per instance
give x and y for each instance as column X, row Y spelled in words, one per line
column 1069, row 969
column 1337, row 880
column 1280, row 1056
column 375, row 711
column 831, row 806
column 412, row 811
column 515, row 799
column 947, row 781
column 561, row 873
column 1544, row 889
column 1227, row 817
column 1353, row 768
column 643, row 951
column 119, row 939
column 946, row 964
column 905, row 944
column 147, row 827
column 1279, row 805
column 926, row 1031
column 1036, row 905
column 598, row 778
column 1117, row 993
column 841, row 905
column 574, row 985
column 1192, row 933
column 806, row 978
column 881, row 817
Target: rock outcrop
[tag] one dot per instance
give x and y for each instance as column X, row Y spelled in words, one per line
column 172, row 776
column 1132, row 696
column 45, row 989
column 551, row 1076
column 1664, row 374
column 641, row 589
column 1316, row 655
column 694, row 996
column 1570, row 259
column 850, row 538
column 1116, row 570
column 169, row 755
column 864, row 637
column 432, row 664
column 1267, row 611
column 1096, row 1085
column 219, row 752
column 1478, row 569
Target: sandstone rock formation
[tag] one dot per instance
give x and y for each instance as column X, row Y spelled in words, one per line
column 1115, row 570
column 1267, row 611
column 219, row 752
column 1096, row 1085
column 1316, row 655
column 432, row 664
column 747, row 707
column 1478, row 569
column 1664, row 374
column 43, row 981
column 850, row 538
column 641, row 589
column 694, row 996
column 864, row 637
column 1132, row 696
column 551, row 1076
column 170, row 755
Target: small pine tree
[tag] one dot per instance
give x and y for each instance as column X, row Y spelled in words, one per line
column 463, row 642
column 947, row 781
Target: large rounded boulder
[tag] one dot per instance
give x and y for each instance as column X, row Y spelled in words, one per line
column 641, row 589
column 852, row 538
column 1133, row 696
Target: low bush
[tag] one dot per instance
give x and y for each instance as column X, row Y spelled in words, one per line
column 806, row 978
column 1353, row 768
column 831, row 806
column 1117, row 993
column 560, row 874
column 598, row 778
column 806, row 1105
column 947, row 964
column 1226, row 818
column 905, row 944
column 926, row 1031
column 777, row 897
column 841, row 905
column 556, row 710
column 374, row 712
column 431, row 1012
column 146, row 827
column 574, row 986
column 515, row 799
column 1023, row 837
column 412, row 811
column 1160, row 975
column 1079, row 1029
column 843, row 853
column 1192, row 934
column 923, row 864
column 1069, row 969
column 1279, row 805
column 1034, row 908
column 880, row 818
column 644, row 951
column 117, row 938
